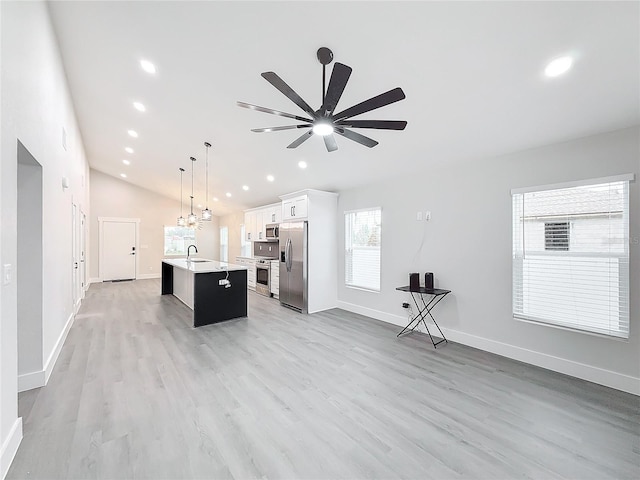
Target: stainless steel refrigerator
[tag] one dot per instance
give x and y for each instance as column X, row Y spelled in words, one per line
column 293, row 265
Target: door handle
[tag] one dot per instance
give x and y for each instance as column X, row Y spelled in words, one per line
column 289, row 251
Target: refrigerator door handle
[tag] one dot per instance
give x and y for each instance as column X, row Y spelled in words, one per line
column 289, row 248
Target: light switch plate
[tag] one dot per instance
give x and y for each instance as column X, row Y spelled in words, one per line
column 419, row 217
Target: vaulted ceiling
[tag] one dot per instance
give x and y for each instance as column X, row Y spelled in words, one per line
column 472, row 73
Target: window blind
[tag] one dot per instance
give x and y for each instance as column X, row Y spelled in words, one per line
column 362, row 248
column 571, row 256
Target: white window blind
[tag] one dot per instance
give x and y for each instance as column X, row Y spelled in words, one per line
column 224, row 244
column 571, row 256
column 362, row 248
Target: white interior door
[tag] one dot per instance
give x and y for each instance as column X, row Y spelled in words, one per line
column 75, row 280
column 119, row 250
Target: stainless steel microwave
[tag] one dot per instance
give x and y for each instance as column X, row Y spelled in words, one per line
column 272, row 231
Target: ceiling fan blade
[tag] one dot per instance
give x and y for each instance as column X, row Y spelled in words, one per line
column 339, row 78
column 356, row 137
column 275, row 129
column 280, row 84
column 378, row 101
column 272, row 111
column 330, row 143
column 380, row 124
column 301, row 139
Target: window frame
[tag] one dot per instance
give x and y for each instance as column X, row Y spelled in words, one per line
column 164, row 245
column 353, row 285
column 623, row 290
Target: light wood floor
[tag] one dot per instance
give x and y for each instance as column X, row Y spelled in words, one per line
column 137, row 393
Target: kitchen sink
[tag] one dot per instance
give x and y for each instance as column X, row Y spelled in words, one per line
column 198, row 260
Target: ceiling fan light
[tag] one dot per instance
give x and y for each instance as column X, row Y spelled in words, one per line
column 322, row 128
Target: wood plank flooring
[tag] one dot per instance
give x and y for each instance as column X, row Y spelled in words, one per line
column 138, row 393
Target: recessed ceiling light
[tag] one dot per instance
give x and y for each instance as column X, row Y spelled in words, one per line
column 558, row 66
column 270, row 178
column 126, row 162
column 215, row 199
column 199, row 206
column 302, row 164
column 140, row 107
column 147, row 66
column 228, row 194
column 123, row 175
column 132, row 133
column 245, row 188
column 128, row 149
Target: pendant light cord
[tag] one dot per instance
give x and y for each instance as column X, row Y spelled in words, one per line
column 181, row 172
column 206, row 201
column 193, row 161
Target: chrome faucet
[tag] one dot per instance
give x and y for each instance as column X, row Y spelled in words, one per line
column 189, row 250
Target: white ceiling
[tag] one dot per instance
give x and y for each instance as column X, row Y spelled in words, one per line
column 472, row 73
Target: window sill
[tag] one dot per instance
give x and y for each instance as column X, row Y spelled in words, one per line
column 363, row 289
column 569, row 329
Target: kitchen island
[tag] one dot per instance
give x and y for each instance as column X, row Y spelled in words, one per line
column 215, row 291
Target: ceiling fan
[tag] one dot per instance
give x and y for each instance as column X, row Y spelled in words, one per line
column 324, row 121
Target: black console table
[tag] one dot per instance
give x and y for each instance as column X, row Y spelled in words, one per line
column 435, row 295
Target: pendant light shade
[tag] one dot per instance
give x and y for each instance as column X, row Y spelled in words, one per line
column 192, row 219
column 206, row 213
column 181, row 220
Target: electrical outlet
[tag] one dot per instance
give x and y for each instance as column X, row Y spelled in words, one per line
column 405, row 305
column 224, row 281
column 7, row 274
column 427, row 215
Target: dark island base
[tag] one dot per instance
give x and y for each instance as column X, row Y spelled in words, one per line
column 213, row 302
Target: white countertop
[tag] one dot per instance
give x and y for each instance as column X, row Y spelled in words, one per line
column 202, row 267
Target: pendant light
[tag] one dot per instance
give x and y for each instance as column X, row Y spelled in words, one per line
column 192, row 219
column 206, row 213
column 181, row 220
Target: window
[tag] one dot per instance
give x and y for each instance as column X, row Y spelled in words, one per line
column 177, row 239
column 571, row 255
column 362, row 249
column 245, row 247
column 224, row 244
column 556, row 236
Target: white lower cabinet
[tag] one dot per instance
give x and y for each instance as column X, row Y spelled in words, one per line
column 275, row 278
column 250, row 263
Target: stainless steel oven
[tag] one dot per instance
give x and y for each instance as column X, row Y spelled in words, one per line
column 263, row 277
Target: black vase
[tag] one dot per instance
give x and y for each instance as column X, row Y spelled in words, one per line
column 428, row 280
column 414, row 282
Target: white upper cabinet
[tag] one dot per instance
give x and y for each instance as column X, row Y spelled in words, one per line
column 295, row 208
column 257, row 219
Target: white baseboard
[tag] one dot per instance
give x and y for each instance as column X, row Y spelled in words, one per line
column 94, row 280
column 10, row 447
column 29, row 381
column 146, row 276
column 590, row 373
column 53, row 358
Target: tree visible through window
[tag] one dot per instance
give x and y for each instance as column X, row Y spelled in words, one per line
column 362, row 248
column 178, row 239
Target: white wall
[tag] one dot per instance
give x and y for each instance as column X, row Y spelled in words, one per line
column 112, row 197
column 467, row 245
column 36, row 106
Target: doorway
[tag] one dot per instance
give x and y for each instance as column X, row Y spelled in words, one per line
column 118, row 244
column 29, row 268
